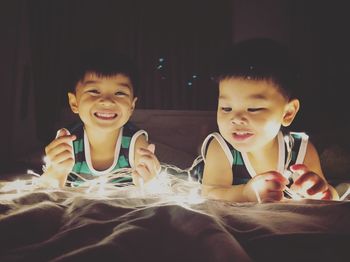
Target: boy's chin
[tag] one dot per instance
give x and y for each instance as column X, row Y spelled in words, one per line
column 241, row 147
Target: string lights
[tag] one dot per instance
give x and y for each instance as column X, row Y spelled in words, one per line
column 180, row 189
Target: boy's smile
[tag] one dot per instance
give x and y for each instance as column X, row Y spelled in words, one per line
column 103, row 103
column 105, row 115
column 241, row 136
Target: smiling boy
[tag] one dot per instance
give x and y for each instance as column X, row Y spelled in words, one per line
column 252, row 157
column 104, row 140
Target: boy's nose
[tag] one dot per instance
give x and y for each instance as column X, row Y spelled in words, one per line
column 238, row 119
column 106, row 100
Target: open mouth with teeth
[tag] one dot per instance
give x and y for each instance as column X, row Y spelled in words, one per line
column 241, row 135
column 105, row 115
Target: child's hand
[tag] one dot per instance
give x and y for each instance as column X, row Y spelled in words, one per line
column 264, row 187
column 148, row 165
column 309, row 184
column 59, row 157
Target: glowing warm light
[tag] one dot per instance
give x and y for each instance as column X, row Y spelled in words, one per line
column 31, row 172
column 292, row 194
column 17, row 186
column 164, row 186
column 318, row 195
column 345, row 194
column 255, row 188
column 180, row 188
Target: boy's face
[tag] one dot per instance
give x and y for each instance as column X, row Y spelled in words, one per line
column 103, row 103
column 251, row 112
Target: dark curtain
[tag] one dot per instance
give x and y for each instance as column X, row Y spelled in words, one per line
column 320, row 36
column 8, row 30
column 173, row 43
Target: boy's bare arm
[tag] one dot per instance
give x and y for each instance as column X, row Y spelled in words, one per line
column 231, row 193
column 268, row 186
column 217, row 176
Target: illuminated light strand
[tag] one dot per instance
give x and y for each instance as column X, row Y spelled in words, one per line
column 291, row 193
column 165, row 186
column 256, row 193
column 31, row 172
column 345, row 194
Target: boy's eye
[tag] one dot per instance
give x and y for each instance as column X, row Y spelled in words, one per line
column 255, row 109
column 120, row 93
column 93, row 91
column 226, row 109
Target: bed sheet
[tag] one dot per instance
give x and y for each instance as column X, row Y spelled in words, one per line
column 133, row 224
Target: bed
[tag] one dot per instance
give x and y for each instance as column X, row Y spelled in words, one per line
column 170, row 221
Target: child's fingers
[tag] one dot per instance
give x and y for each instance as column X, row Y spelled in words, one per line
column 269, row 186
column 52, row 152
column 327, row 195
column 60, row 140
column 62, row 163
column 61, row 157
column 62, row 132
column 61, row 167
column 147, row 151
column 148, row 158
column 65, row 166
column 298, row 169
column 152, row 148
column 272, row 196
column 274, row 176
column 319, row 186
column 143, row 172
column 309, row 177
column 273, row 185
column 309, row 182
column 136, row 178
column 275, row 195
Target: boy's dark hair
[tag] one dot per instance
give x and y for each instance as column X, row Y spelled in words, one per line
column 259, row 59
column 104, row 63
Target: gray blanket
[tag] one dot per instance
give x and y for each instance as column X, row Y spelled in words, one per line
column 73, row 225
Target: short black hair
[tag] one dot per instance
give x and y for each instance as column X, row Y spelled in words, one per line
column 104, row 63
column 259, row 59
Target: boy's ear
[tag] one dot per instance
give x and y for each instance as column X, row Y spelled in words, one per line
column 133, row 104
column 72, row 99
column 291, row 111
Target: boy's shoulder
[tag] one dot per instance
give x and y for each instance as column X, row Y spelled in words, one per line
column 298, row 135
column 295, row 138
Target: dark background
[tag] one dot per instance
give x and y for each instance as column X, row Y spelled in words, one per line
column 174, row 44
